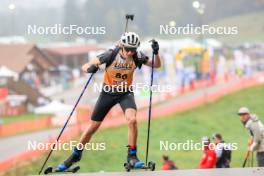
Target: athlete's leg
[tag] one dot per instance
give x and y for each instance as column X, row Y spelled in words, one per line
column 130, row 115
column 128, row 105
column 104, row 103
column 87, row 135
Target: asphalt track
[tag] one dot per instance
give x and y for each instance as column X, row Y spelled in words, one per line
column 194, row 172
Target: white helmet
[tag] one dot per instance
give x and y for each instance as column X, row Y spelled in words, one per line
column 130, row 39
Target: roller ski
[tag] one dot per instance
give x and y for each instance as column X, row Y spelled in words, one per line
column 133, row 163
column 140, row 165
column 67, row 165
column 72, row 169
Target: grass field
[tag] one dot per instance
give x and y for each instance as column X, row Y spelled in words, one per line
column 219, row 116
column 19, row 118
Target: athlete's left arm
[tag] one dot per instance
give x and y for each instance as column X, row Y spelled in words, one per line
column 155, row 48
column 157, row 62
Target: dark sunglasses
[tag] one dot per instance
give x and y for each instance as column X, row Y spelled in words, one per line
column 133, row 50
column 242, row 114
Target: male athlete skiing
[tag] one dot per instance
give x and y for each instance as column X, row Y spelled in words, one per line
column 121, row 63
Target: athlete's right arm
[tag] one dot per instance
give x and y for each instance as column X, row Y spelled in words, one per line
column 100, row 59
column 94, row 61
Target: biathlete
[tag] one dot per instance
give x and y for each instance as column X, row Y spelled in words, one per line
column 121, row 63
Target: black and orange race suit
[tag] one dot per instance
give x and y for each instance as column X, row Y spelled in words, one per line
column 119, row 76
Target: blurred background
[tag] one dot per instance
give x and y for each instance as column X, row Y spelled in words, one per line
column 41, row 77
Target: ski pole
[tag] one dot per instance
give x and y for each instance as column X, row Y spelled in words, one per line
column 128, row 17
column 246, row 158
column 150, row 104
column 66, row 123
column 252, row 159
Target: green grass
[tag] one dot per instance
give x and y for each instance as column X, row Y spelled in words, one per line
column 219, row 116
column 17, row 118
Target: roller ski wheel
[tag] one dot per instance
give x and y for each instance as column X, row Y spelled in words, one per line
column 140, row 165
column 72, row 169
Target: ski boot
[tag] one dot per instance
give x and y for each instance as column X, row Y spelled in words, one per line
column 132, row 160
column 75, row 157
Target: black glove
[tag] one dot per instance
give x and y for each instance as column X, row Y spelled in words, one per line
column 155, row 47
column 92, row 69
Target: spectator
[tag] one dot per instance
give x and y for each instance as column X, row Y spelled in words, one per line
column 209, row 156
column 168, row 164
column 256, row 130
column 223, row 152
